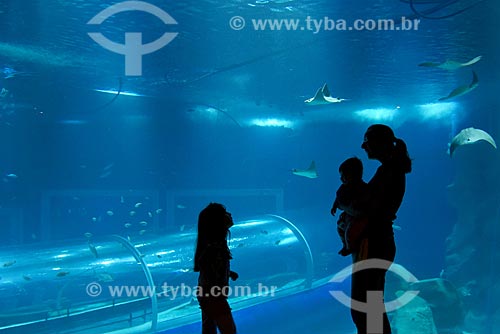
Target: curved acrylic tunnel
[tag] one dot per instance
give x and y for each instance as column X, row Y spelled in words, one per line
column 139, row 283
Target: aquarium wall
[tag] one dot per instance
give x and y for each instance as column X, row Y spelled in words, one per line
column 121, row 120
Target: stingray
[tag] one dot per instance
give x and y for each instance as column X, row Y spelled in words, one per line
column 323, row 96
column 462, row 90
column 415, row 317
column 451, row 65
column 310, row 173
column 470, row 136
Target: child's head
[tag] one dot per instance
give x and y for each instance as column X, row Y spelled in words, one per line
column 213, row 227
column 351, row 170
column 214, row 222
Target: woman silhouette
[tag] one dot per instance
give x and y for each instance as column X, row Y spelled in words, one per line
column 386, row 191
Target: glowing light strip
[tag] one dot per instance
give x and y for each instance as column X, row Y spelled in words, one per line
column 114, row 92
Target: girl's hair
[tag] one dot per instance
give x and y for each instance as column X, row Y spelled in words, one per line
column 212, row 228
column 383, row 135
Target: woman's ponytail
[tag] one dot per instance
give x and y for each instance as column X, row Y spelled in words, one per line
column 401, row 155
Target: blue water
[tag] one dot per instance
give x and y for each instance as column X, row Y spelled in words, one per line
column 76, row 160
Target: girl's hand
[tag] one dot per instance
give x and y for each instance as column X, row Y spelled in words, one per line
column 333, row 211
column 233, row 275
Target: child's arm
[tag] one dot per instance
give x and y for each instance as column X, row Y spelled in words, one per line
column 335, row 206
column 215, row 269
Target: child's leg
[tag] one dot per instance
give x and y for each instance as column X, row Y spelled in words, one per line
column 354, row 233
column 208, row 325
column 226, row 324
column 216, row 313
column 224, row 318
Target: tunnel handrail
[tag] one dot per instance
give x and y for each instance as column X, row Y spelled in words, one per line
column 154, row 302
column 302, row 239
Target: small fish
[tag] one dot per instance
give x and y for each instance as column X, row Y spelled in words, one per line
column 158, row 256
column 240, row 245
column 105, row 174
column 94, row 219
column 182, row 228
column 9, row 72
column 264, row 232
column 122, row 200
column 26, row 278
column 109, row 166
column 137, row 205
column 132, row 213
column 143, row 223
column 181, row 207
column 110, row 213
column 397, row 227
column 93, row 249
column 87, row 235
column 9, row 177
column 158, row 211
column 105, row 278
column 62, row 273
column 127, row 225
column 141, row 232
column 150, row 214
column 8, row 264
column 277, row 242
